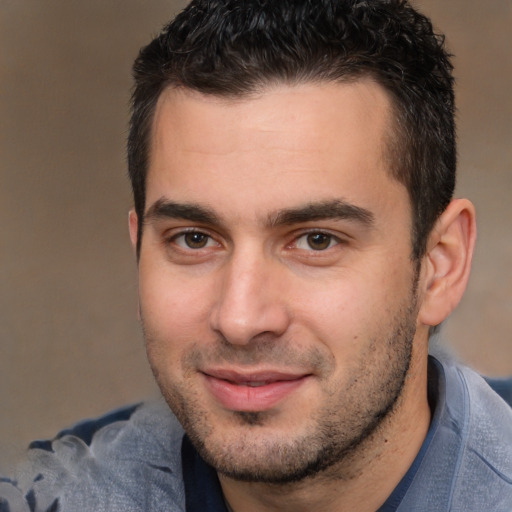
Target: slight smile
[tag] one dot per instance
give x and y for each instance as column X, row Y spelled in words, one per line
column 252, row 392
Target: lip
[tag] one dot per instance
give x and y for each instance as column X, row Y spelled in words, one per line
column 254, row 391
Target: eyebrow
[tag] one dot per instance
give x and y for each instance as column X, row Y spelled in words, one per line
column 164, row 209
column 325, row 210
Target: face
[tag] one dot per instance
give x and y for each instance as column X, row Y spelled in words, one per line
column 277, row 290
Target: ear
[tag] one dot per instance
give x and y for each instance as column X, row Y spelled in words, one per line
column 133, row 226
column 447, row 263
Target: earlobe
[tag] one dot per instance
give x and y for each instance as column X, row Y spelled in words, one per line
column 133, row 228
column 447, row 263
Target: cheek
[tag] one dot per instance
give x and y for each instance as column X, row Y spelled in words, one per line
column 335, row 316
column 169, row 297
column 174, row 315
column 348, row 312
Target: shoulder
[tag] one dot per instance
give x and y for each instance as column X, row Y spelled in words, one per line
column 467, row 465
column 127, row 460
column 485, row 423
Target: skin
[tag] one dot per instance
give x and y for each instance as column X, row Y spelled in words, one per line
column 277, row 248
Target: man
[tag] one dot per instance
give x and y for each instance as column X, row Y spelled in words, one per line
column 293, row 166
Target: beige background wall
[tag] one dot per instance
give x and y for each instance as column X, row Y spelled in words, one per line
column 70, row 342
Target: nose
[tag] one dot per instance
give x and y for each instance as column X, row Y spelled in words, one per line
column 252, row 302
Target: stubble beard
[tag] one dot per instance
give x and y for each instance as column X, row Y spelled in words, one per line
column 329, row 439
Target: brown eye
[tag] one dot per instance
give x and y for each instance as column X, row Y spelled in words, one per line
column 316, row 241
column 319, row 241
column 195, row 240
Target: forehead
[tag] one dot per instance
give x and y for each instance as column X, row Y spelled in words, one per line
column 311, row 113
column 287, row 144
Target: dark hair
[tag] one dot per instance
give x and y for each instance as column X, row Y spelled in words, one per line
column 233, row 48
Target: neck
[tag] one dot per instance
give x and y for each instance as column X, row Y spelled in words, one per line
column 365, row 478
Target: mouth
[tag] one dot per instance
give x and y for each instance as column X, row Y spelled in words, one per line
column 252, row 392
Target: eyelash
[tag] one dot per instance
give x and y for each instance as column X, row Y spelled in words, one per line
column 332, row 240
column 329, row 240
column 191, row 232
